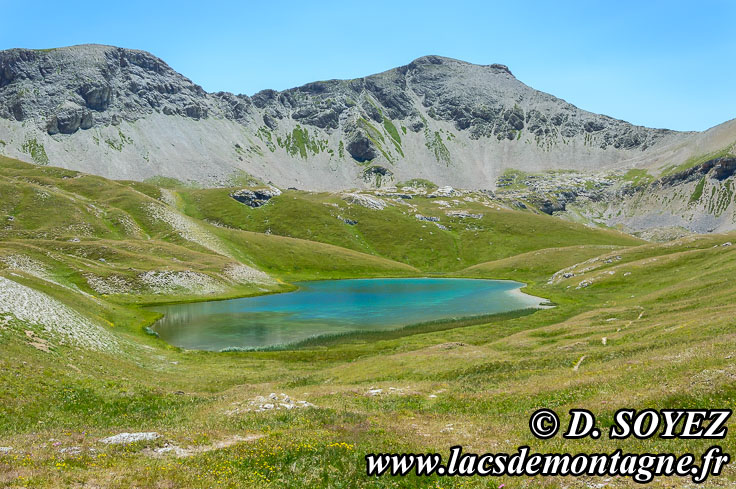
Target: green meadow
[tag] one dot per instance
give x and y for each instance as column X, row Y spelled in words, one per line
column 635, row 324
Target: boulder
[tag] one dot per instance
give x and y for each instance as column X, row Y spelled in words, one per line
column 255, row 198
column 446, row 191
column 348, row 221
column 427, row 218
column 365, row 201
column 550, row 207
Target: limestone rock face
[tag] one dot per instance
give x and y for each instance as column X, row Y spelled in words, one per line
column 125, row 113
column 360, row 147
column 64, row 86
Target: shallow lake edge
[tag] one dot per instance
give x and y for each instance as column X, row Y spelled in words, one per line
column 334, row 339
column 329, row 339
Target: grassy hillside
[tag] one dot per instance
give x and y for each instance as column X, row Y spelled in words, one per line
column 395, row 232
column 104, row 227
column 636, row 325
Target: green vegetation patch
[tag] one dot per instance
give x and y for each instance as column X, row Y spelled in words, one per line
column 36, row 150
column 433, row 142
column 373, row 133
column 391, row 129
column 638, row 177
column 419, row 183
column 395, row 138
column 513, row 180
column 375, row 136
column 242, row 178
column 167, row 182
column 698, row 192
column 394, row 233
column 298, row 142
column 264, row 134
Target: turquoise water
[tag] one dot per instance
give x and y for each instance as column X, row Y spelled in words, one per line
column 333, row 307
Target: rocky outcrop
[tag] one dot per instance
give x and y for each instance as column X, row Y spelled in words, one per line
column 445, row 191
column 68, row 89
column 348, row 221
column 420, row 217
column 255, row 198
column 724, row 168
column 552, row 206
column 360, row 146
column 464, row 215
column 699, row 199
column 717, row 168
column 365, row 201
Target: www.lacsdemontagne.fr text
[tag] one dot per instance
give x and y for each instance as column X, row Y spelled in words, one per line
column 642, row 468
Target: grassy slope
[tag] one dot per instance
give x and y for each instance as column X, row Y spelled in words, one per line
column 394, row 232
column 666, row 312
column 47, row 208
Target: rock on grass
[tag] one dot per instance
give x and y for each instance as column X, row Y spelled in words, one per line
column 127, row 438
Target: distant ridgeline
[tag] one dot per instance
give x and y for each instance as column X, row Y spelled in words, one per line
column 126, row 114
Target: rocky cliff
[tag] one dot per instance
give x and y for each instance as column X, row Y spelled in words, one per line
column 124, row 113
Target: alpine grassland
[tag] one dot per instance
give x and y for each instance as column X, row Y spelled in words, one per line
column 631, row 324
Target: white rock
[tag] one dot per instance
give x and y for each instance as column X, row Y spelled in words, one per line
column 365, row 201
column 166, row 449
column 126, row 438
column 167, row 281
column 464, row 215
column 446, row 191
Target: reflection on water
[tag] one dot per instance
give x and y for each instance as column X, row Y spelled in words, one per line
column 333, row 307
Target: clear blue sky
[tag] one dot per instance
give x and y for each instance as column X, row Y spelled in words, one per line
column 662, row 64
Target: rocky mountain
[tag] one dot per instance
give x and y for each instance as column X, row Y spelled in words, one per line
column 699, row 199
column 126, row 114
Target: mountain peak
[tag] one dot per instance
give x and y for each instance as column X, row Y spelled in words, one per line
column 433, row 59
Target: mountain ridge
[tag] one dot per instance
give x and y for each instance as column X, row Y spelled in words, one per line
column 125, row 113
